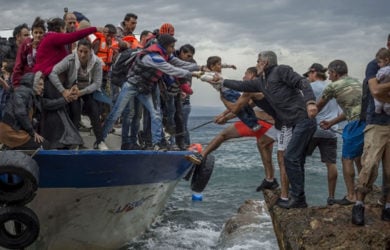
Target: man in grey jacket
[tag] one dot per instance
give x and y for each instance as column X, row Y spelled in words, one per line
column 292, row 98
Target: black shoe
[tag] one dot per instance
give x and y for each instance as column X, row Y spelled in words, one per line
column 385, row 214
column 281, row 202
column 268, row 185
column 358, row 215
column 331, row 201
column 173, row 147
column 293, row 203
column 125, row 146
column 344, row 201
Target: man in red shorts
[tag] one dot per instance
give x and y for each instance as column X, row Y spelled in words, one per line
column 264, row 136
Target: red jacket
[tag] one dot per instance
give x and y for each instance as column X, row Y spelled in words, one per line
column 24, row 61
column 52, row 49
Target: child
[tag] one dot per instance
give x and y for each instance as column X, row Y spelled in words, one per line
column 5, row 82
column 383, row 75
column 246, row 114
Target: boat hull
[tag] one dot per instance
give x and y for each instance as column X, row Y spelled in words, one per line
column 102, row 199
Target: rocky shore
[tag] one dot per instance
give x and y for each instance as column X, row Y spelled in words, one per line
column 315, row 227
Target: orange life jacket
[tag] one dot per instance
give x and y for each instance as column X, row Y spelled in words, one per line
column 132, row 40
column 105, row 51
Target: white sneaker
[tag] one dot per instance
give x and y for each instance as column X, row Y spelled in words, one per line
column 101, row 146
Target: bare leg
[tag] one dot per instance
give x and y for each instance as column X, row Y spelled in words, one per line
column 228, row 133
column 332, row 178
column 358, row 163
column 283, row 175
column 264, row 144
column 349, row 178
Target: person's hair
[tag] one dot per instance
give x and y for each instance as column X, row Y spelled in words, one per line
column 10, row 65
column 19, row 28
column 187, row 48
column 383, row 54
column 144, row 33
column 69, row 13
column 212, row 60
column 85, row 42
column 321, row 75
column 111, row 28
column 128, row 16
column 38, row 23
column 269, row 56
column 388, row 37
column 252, row 70
column 55, row 24
column 338, row 66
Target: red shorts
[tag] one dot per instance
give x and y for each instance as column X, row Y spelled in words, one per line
column 244, row 131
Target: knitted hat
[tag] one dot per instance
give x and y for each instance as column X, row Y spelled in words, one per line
column 167, row 28
column 165, row 40
column 38, row 75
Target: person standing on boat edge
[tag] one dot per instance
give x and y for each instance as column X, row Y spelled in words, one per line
column 325, row 140
column 83, row 69
column 376, row 144
column 348, row 94
column 186, row 53
column 293, row 102
column 265, row 136
column 148, row 68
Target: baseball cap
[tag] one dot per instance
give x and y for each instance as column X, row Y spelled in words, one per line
column 315, row 67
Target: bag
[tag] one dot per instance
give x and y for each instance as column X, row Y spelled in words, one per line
column 121, row 66
column 143, row 87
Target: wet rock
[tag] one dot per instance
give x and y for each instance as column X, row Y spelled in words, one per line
column 328, row 227
column 244, row 226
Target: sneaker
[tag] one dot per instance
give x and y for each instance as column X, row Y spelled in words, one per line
column 268, row 185
column 255, row 128
column 195, row 158
column 331, row 201
column 382, row 201
column 385, row 214
column 173, row 147
column 158, row 147
column 358, row 215
column 292, row 203
column 101, row 146
column 344, row 201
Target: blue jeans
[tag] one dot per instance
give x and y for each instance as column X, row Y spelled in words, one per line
column 294, row 157
column 186, row 114
column 131, row 117
column 127, row 93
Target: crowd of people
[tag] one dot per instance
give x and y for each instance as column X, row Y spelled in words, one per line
column 68, row 69
column 75, row 61
column 305, row 113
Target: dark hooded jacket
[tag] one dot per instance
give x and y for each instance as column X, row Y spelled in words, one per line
column 57, row 127
column 17, row 112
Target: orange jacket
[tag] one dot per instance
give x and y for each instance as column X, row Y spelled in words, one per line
column 106, row 52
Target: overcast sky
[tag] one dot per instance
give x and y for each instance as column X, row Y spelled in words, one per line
column 299, row 31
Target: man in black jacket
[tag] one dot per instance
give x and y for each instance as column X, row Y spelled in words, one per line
column 293, row 102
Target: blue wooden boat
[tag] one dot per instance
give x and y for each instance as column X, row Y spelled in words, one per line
column 91, row 199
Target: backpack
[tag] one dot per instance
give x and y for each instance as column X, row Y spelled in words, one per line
column 121, row 66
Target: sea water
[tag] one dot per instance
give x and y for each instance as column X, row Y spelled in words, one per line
column 188, row 224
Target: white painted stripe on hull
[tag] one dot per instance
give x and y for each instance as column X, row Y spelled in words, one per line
column 97, row 218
